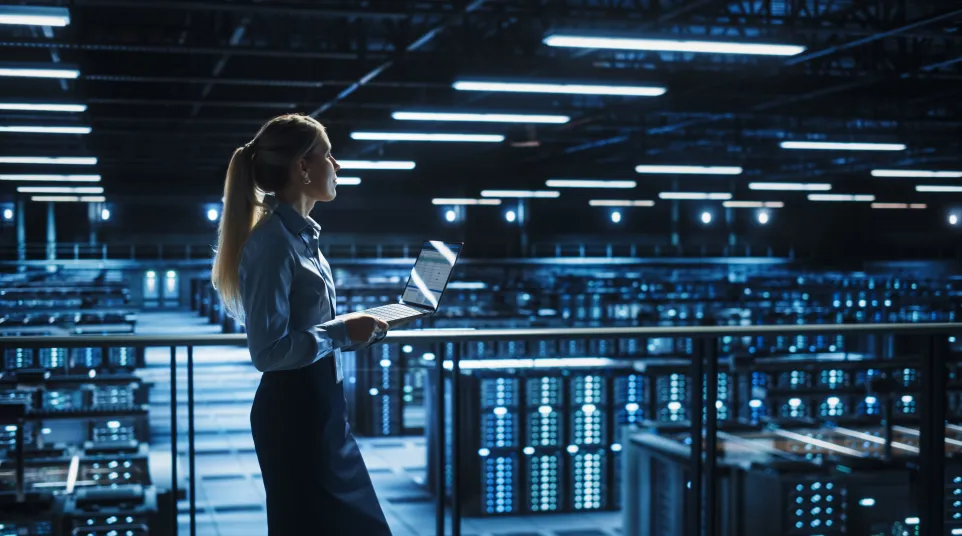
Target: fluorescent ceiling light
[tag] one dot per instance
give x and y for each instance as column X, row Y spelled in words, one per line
column 376, row 164
column 568, row 89
column 69, row 198
column 58, row 160
column 938, row 189
column 416, row 136
column 34, row 16
column 461, row 201
column 520, row 193
column 348, row 181
column 790, row 186
column 51, row 178
column 695, row 196
column 60, row 189
column 690, row 170
column 481, row 118
column 753, row 204
column 37, row 72
column 27, row 129
column 842, row 146
column 672, row 45
column 585, row 183
column 841, row 197
column 917, row 173
column 621, row 203
column 902, row 206
column 28, row 107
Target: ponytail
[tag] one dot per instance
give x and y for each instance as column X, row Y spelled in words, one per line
column 238, row 218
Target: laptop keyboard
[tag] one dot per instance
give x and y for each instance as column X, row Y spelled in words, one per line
column 395, row 311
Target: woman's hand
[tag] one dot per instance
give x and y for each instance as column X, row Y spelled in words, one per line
column 361, row 327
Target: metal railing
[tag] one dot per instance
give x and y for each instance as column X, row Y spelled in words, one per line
column 345, row 249
column 932, row 339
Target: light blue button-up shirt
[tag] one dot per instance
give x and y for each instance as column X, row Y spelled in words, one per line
column 288, row 293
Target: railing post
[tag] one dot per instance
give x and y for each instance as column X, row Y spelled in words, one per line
column 932, row 431
column 173, row 437
column 440, row 408
column 711, row 436
column 191, row 449
column 695, row 409
column 456, row 439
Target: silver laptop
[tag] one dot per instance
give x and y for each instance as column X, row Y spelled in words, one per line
column 422, row 293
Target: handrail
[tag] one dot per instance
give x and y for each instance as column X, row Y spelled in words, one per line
column 471, row 335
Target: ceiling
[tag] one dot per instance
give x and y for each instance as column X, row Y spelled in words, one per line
column 172, row 87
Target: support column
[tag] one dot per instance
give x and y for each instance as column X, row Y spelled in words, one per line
column 523, row 223
column 730, row 222
column 93, row 216
column 675, row 217
column 51, row 233
column 21, row 237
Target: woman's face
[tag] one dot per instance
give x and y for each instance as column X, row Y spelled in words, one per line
column 321, row 168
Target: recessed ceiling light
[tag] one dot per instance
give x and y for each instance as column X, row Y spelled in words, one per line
column 672, row 45
column 569, row 89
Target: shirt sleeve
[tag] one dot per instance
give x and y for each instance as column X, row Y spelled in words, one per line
column 266, row 273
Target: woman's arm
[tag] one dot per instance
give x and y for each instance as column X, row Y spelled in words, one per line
column 265, row 278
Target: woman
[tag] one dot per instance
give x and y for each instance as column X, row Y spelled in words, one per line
column 269, row 271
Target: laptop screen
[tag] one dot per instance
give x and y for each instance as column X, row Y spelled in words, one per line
column 430, row 274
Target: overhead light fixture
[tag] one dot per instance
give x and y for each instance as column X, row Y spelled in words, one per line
column 481, row 118
column 462, row 201
column 69, row 198
column 763, row 217
column 417, row 136
column 348, row 181
column 917, row 173
column 544, row 194
column 450, row 215
column 586, row 183
column 28, row 129
column 57, row 160
column 706, row 217
column 34, row 16
column 672, row 45
column 60, row 189
column 27, row 107
column 695, row 196
column 566, row 89
column 615, row 216
column 37, row 72
column 862, row 198
column 51, row 178
column 953, row 219
column 510, row 216
column 842, row 146
column 621, row 203
column 790, row 186
column 753, row 204
column 376, row 164
column 900, row 206
column 938, row 189
column 690, row 170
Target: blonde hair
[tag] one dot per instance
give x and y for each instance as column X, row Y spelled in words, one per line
column 261, row 166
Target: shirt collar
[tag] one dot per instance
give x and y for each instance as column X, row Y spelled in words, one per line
column 292, row 219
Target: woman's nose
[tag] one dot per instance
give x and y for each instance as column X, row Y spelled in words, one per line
column 337, row 167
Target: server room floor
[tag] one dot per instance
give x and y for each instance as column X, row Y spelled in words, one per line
column 230, row 494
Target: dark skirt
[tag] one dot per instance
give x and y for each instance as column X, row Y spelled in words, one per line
column 314, row 476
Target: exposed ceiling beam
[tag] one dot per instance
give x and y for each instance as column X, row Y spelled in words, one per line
column 379, row 70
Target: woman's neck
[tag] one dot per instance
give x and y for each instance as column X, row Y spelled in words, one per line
column 301, row 203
